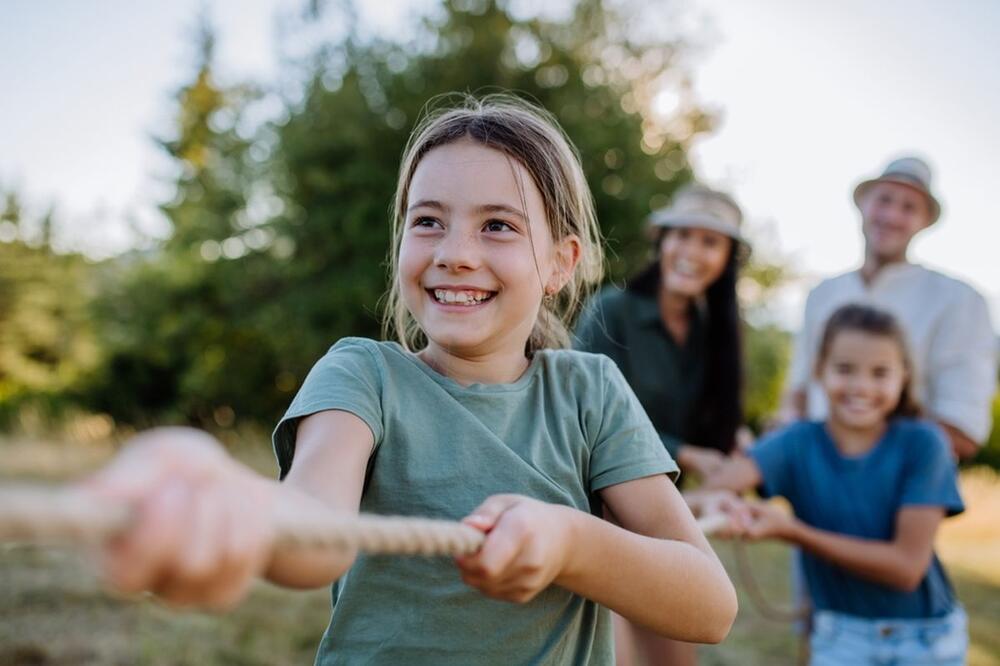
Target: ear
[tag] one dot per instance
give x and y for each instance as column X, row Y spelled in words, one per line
column 567, row 255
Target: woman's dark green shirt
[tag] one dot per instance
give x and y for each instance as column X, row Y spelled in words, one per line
column 668, row 378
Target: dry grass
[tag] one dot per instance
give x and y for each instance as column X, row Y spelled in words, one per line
column 53, row 612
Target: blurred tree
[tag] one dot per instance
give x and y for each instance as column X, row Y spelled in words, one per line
column 177, row 323
column 46, row 342
column 339, row 150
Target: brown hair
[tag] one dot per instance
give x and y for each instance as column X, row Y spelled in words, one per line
column 531, row 136
column 866, row 319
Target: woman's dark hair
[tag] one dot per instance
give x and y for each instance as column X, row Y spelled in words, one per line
column 866, row 319
column 719, row 411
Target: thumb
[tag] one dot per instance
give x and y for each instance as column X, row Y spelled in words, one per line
column 485, row 516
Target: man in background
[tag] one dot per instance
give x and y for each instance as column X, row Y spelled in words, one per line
column 946, row 321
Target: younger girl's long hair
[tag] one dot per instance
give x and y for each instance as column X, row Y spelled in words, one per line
column 873, row 321
column 719, row 411
column 531, row 137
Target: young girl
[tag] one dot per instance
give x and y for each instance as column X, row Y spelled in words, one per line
column 869, row 487
column 473, row 414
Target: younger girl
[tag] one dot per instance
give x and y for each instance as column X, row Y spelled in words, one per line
column 869, row 487
column 473, row 414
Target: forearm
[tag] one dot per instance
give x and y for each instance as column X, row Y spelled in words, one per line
column 674, row 588
column 878, row 561
column 304, row 567
column 962, row 445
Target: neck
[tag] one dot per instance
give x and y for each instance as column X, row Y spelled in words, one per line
column 875, row 263
column 501, row 367
column 675, row 311
column 674, row 307
column 853, row 441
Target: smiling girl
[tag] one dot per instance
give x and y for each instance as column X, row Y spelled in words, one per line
column 474, row 413
column 869, row 487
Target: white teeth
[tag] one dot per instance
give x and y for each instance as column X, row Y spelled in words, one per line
column 464, row 297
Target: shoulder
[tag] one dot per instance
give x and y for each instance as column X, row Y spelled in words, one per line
column 949, row 287
column 793, row 434
column 574, row 368
column 832, row 287
column 359, row 354
column 610, row 301
column 919, row 437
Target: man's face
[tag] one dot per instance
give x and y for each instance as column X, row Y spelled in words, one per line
column 892, row 214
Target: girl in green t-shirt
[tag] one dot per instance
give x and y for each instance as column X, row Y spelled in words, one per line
column 475, row 414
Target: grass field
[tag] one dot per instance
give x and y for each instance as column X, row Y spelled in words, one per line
column 53, row 612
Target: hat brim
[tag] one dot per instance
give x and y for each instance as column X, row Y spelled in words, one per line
column 864, row 186
column 666, row 219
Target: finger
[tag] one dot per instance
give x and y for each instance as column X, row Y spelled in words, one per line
column 485, row 516
column 134, row 561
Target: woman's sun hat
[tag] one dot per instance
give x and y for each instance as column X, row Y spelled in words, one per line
column 699, row 206
column 910, row 171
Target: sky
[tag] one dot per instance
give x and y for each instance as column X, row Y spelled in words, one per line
column 813, row 98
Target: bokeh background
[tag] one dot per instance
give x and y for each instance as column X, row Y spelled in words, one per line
column 194, row 206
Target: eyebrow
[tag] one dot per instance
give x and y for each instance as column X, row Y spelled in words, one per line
column 485, row 208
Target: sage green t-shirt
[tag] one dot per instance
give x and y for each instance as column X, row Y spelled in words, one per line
column 568, row 427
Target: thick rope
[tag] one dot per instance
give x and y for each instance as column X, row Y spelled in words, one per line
column 33, row 514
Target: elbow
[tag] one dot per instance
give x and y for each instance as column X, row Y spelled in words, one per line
column 717, row 617
column 908, row 581
column 725, row 616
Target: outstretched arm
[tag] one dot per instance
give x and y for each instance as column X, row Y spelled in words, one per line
column 900, row 562
column 203, row 526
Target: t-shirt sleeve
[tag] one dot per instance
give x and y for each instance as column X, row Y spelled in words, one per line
column 347, row 378
column 626, row 446
column 931, row 477
column 962, row 366
column 773, row 456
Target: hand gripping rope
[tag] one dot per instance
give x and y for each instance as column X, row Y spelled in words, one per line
column 35, row 514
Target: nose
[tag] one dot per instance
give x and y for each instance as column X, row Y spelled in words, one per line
column 458, row 250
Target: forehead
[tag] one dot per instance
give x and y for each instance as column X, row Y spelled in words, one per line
column 860, row 345
column 466, row 170
column 697, row 232
column 898, row 192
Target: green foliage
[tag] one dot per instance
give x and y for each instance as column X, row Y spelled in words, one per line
column 767, row 350
column 46, row 341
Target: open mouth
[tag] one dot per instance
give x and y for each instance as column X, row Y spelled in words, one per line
column 465, row 297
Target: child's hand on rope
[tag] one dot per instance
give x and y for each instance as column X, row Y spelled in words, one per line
column 525, row 548
column 769, row 521
column 704, row 503
column 201, row 526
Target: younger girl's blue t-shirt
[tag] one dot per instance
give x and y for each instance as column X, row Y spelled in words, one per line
column 911, row 465
column 566, row 429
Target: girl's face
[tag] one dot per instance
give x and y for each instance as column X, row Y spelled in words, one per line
column 476, row 256
column 863, row 376
column 691, row 259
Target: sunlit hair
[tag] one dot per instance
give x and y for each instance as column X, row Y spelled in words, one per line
column 872, row 321
column 530, row 136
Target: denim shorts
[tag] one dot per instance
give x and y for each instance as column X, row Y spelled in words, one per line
column 839, row 639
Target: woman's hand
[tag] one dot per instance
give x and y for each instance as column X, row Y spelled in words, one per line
column 700, row 460
column 769, row 521
column 202, row 528
column 525, row 550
